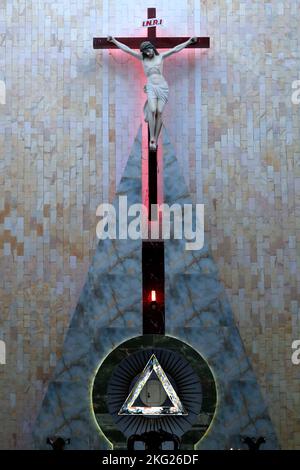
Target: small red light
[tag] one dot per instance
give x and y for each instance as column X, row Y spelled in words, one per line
column 153, row 296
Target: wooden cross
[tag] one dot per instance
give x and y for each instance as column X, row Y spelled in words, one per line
column 160, row 43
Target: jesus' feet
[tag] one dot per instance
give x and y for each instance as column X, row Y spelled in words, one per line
column 153, row 145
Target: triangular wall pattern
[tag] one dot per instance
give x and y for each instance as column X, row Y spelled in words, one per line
column 109, row 311
column 198, row 312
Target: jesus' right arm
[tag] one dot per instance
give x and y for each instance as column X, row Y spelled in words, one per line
column 124, row 48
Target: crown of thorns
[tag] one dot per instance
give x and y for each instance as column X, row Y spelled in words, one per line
column 147, row 45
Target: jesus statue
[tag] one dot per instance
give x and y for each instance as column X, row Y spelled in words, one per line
column 156, row 88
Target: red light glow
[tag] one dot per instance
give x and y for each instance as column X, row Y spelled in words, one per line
column 153, row 296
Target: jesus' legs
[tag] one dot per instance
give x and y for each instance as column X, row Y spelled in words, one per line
column 158, row 124
column 152, row 104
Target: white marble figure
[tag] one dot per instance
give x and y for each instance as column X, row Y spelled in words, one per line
column 156, row 88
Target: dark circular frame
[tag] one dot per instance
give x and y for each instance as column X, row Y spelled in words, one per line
column 142, row 347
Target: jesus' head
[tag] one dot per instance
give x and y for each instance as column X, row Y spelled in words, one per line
column 148, row 50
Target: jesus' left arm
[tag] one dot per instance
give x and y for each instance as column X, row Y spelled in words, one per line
column 179, row 47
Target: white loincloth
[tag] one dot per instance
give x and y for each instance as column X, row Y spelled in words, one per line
column 159, row 91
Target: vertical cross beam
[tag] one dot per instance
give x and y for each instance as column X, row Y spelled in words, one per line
column 153, row 268
column 151, row 29
column 152, row 254
column 152, row 156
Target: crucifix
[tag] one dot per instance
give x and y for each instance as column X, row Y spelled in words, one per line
column 157, row 87
column 157, row 96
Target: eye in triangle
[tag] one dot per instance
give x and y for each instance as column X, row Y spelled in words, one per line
column 176, row 407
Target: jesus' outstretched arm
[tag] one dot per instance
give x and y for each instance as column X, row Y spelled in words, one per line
column 179, row 47
column 124, row 48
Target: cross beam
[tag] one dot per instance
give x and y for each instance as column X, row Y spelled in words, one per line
column 158, row 42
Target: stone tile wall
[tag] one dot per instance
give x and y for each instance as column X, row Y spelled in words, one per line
column 66, row 129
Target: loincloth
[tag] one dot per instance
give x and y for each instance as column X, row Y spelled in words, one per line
column 159, row 92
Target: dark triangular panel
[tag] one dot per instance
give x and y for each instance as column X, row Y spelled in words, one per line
column 198, row 313
column 109, row 311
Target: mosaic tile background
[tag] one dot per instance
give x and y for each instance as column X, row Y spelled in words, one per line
column 66, row 130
